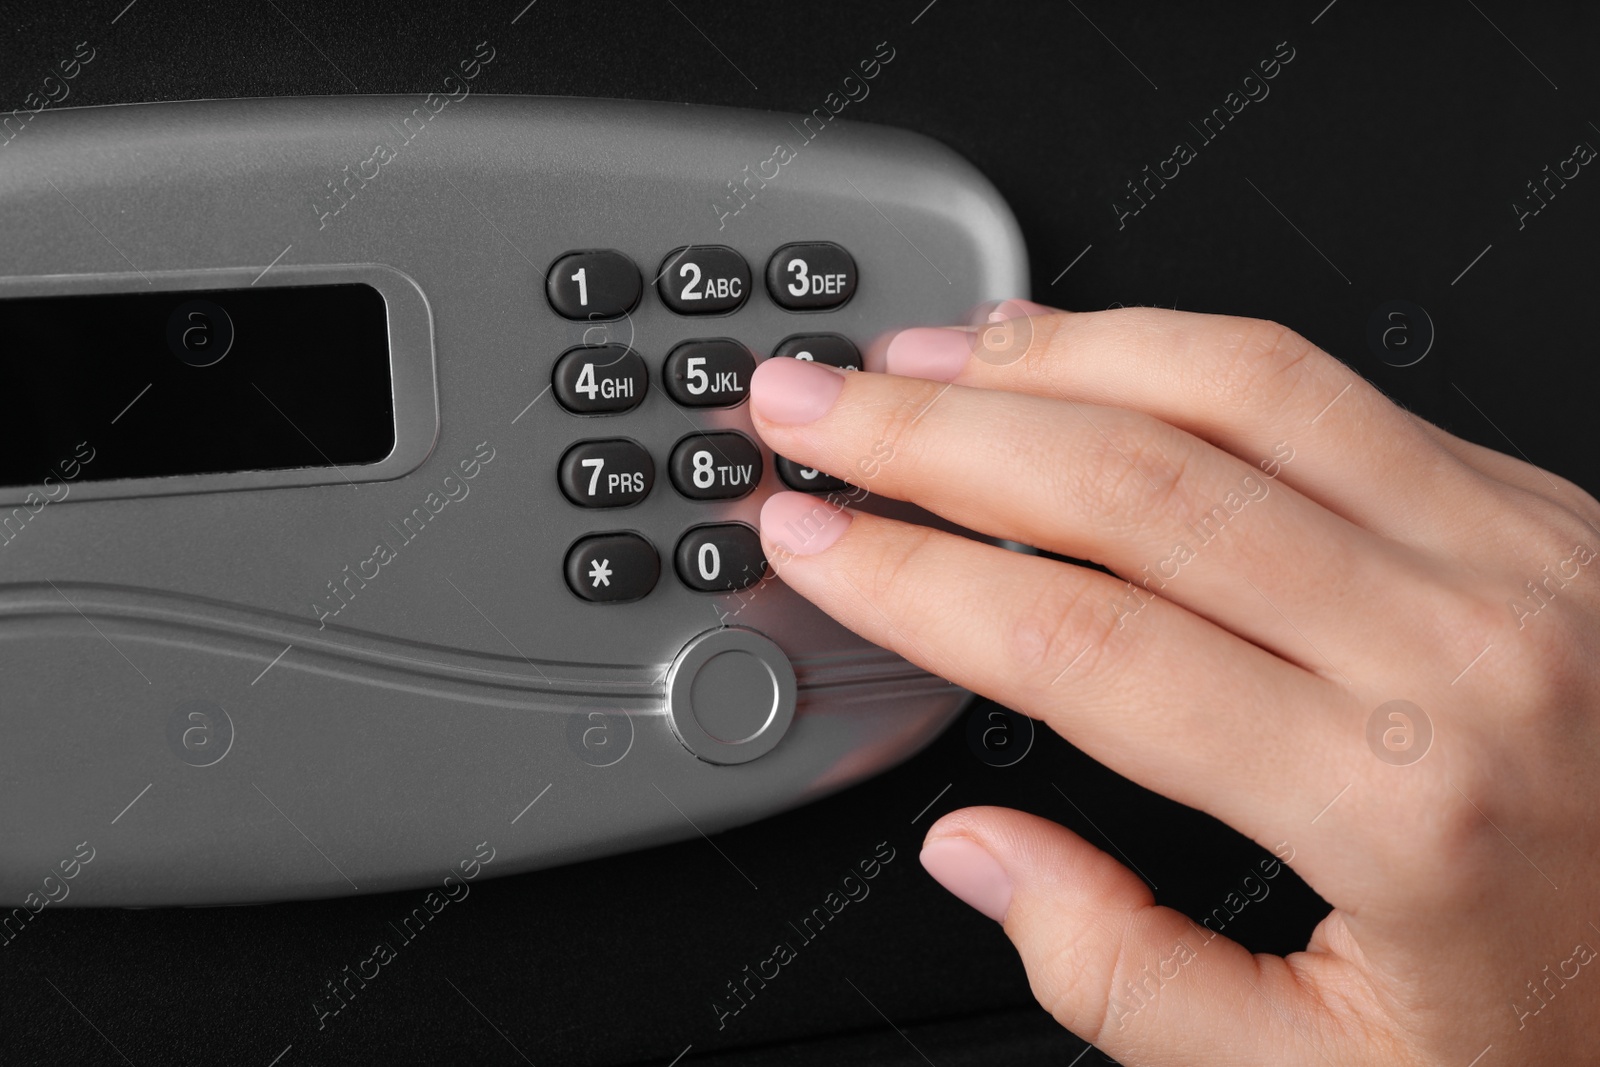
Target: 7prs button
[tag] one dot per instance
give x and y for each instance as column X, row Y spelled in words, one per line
column 811, row 276
column 704, row 280
column 606, row 474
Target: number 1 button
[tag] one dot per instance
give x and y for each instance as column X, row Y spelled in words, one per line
column 593, row 285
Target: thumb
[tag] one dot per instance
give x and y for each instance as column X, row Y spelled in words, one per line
column 1140, row 982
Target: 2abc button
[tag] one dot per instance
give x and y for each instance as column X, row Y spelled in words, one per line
column 704, row 280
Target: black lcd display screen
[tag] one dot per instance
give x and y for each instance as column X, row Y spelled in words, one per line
column 161, row 384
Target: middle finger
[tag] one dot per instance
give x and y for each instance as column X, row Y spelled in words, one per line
column 1152, row 503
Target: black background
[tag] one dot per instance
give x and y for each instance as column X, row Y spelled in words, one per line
column 1396, row 141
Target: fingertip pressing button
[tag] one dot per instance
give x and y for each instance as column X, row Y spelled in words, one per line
column 829, row 348
column 806, row 479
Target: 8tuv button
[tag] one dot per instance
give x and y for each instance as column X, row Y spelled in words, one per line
column 593, row 285
column 811, row 276
column 704, row 280
column 709, row 374
column 606, row 474
column 600, row 380
column 608, row 568
column 715, row 466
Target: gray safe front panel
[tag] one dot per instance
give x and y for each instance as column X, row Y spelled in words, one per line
column 172, row 700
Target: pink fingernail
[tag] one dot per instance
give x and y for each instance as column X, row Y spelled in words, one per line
column 794, row 391
column 801, row 524
column 966, row 869
column 931, row 352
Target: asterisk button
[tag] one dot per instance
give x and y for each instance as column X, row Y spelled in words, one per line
column 612, row 568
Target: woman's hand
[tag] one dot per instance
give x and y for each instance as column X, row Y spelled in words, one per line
column 1369, row 645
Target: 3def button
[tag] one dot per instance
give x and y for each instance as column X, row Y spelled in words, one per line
column 609, row 568
column 811, row 276
column 600, row 380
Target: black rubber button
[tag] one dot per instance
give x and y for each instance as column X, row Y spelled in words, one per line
column 704, row 280
column 720, row 558
column 600, row 379
column 811, row 276
column 709, row 374
column 593, row 285
column 606, row 474
column 613, row 567
column 715, row 466
column 827, row 348
column 806, row 479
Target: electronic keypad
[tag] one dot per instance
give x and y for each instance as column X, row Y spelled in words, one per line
column 360, row 507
